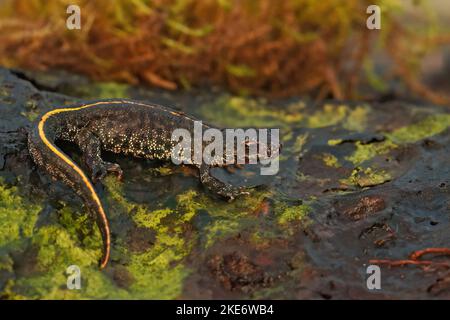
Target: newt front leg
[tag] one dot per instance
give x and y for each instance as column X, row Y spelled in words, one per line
column 90, row 145
column 219, row 187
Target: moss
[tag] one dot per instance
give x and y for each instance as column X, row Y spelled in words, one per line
column 6, row 263
column 157, row 273
column 220, row 229
column 156, row 276
column 428, row 127
column 58, row 248
column 184, row 29
column 274, row 56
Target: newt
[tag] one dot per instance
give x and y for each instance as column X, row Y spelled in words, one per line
column 120, row 126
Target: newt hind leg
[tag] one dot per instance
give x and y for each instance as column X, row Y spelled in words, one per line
column 219, row 187
column 90, row 145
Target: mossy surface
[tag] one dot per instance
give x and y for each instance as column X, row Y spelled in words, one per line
column 330, row 160
column 17, row 216
column 234, row 111
column 367, row 177
column 337, row 161
column 431, row 125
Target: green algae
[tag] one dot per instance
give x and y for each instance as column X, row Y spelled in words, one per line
column 234, row 111
column 412, row 133
column 353, row 119
column 101, row 90
column 334, row 142
column 367, row 177
column 357, row 119
column 57, row 250
column 329, row 116
column 18, row 217
column 430, row 126
column 159, row 272
column 288, row 214
column 365, row 152
column 142, row 218
column 330, row 160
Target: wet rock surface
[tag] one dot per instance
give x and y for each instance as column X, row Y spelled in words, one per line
column 357, row 181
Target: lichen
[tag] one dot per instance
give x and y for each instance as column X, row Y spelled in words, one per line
column 353, row 119
column 229, row 219
column 56, row 246
column 412, row 133
column 72, row 238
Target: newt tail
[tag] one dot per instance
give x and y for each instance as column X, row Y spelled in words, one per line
column 61, row 167
column 120, row 126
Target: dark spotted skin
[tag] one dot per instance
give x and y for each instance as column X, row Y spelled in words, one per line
column 119, row 126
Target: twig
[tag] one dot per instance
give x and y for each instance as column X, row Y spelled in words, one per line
column 419, row 253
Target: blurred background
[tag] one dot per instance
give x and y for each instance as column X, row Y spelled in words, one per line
column 317, row 49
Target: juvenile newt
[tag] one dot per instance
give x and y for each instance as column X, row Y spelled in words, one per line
column 119, row 126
